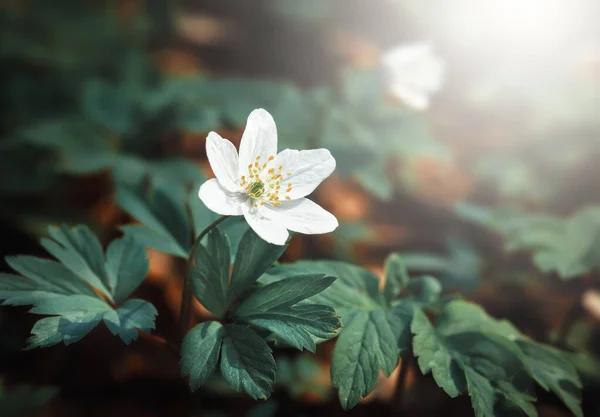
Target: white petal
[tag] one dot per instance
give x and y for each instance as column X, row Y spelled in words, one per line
column 308, row 169
column 413, row 73
column 223, row 159
column 219, row 200
column 259, row 139
column 268, row 230
column 412, row 97
column 401, row 55
column 302, row 216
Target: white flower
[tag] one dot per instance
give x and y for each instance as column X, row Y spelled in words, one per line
column 266, row 187
column 413, row 73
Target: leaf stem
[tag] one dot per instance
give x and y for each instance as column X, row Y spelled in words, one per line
column 186, row 293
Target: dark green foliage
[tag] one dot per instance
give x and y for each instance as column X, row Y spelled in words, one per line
column 247, row 362
column 376, row 328
column 254, row 257
column 170, row 216
column 275, row 308
column 466, row 351
column 67, row 290
column 210, row 274
column 276, row 312
column 200, row 352
column 494, row 359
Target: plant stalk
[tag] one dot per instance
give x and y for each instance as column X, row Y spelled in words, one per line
column 401, row 382
column 186, row 293
column 159, row 341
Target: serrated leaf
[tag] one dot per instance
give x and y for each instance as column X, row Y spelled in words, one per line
column 69, row 329
column 132, row 316
column 554, row 372
column 68, row 304
column 355, row 287
column 396, row 277
column 247, row 362
column 274, row 308
column 64, row 291
column 518, row 398
column 79, row 250
column 284, row 293
column 254, row 257
column 127, row 265
column 210, row 274
column 460, row 316
column 45, row 278
column 481, row 392
column 163, row 213
column 200, row 352
column 433, row 356
column 366, row 345
column 297, row 326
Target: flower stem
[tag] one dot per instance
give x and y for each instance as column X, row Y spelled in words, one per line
column 186, row 293
column 159, row 341
column 401, row 382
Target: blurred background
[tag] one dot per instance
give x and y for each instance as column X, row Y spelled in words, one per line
column 466, row 134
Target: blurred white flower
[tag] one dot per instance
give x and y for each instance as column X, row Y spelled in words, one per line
column 413, row 73
column 266, row 187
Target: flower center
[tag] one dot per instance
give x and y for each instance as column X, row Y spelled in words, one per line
column 256, row 189
column 265, row 183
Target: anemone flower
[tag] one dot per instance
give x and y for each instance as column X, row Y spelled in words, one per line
column 266, row 187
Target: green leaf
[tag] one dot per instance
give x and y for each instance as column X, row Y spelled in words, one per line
column 366, row 345
column 460, row 316
column 200, row 352
column 254, row 257
column 396, row 277
column 274, row 308
column 79, row 250
column 433, row 356
column 64, row 291
column 374, row 333
column 481, row 392
column 554, row 372
column 152, row 239
column 132, row 316
column 127, row 265
column 284, row 293
column 68, row 328
column 492, row 354
column 210, row 275
column 518, row 398
column 66, row 304
column 45, row 279
column 163, row 213
column 301, row 326
column 355, row 287
column 247, row 362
